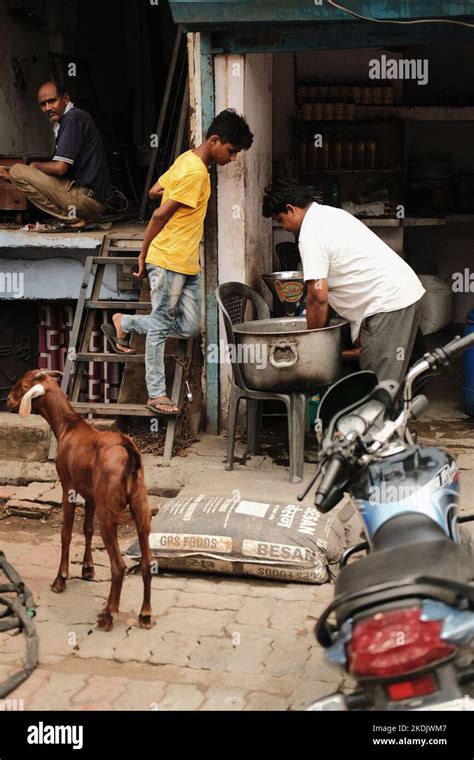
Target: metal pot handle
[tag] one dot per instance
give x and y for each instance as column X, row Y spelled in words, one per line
column 285, row 364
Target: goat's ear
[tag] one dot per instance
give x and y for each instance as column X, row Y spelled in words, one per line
column 40, row 376
column 34, row 392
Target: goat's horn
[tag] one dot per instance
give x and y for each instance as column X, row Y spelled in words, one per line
column 34, row 392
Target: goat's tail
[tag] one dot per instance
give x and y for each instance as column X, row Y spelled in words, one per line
column 136, row 490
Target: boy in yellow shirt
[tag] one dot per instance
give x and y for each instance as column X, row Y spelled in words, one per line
column 170, row 252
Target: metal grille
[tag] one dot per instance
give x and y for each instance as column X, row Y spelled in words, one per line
column 235, row 308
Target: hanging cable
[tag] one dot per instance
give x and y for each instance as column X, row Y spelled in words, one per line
column 398, row 21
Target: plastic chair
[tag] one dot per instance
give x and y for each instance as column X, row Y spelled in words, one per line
column 233, row 299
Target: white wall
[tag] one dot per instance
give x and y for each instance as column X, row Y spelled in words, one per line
column 244, row 237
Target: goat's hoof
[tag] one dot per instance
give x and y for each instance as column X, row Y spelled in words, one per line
column 146, row 621
column 59, row 585
column 88, row 572
column 105, row 622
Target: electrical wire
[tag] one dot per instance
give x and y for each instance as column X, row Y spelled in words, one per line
column 398, row 21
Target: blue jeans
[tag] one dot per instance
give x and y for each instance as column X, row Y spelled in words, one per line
column 175, row 313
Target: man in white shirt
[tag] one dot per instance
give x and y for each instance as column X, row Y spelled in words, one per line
column 346, row 266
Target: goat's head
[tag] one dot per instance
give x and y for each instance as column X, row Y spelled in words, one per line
column 34, row 384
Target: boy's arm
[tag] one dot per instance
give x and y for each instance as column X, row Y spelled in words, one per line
column 160, row 217
column 156, row 191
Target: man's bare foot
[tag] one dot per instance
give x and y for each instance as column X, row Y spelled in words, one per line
column 117, row 320
column 79, row 223
column 163, row 404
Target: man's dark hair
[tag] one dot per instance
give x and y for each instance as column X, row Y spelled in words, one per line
column 231, row 128
column 285, row 192
column 60, row 88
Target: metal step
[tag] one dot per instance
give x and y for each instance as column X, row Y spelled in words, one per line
column 118, row 305
column 97, row 357
column 111, row 410
column 113, row 259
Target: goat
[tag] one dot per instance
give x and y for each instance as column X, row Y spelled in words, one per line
column 106, row 469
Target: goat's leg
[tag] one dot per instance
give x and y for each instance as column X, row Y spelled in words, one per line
column 141, row 514
column 88, row 562
column 117, row 565
column 66, row 532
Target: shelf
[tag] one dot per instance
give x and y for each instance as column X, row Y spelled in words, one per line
column 349, row 171
column 395, row 113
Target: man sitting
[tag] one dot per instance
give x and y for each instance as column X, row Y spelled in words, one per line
column 75, row 185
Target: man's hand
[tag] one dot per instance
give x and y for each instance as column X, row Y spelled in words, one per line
column 5, row 173
column 52, row 168
column 141, row 267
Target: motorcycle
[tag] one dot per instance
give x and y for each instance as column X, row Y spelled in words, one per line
column 402, row 619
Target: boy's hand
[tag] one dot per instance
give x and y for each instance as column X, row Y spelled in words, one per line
column 141, row 267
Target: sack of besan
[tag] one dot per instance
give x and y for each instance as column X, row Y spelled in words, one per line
column 214, row 534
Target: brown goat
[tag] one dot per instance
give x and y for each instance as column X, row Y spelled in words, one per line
column 106, row 470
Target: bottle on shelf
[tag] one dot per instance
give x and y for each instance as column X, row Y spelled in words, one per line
column 359, row 152
column 370, row 152
column 302, row 153
column 348, row 152
column 334, row 195
column 336, row 161
column 313, row 156
column 326, row 152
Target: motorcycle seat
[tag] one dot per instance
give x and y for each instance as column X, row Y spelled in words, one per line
column 440, row 559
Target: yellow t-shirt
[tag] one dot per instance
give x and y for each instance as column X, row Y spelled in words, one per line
column 176, row 247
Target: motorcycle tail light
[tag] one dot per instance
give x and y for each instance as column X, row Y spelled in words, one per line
column 395, row 642
column 417, row 687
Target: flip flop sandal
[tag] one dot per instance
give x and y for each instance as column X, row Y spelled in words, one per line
column 112, row 340
column 153, row 409
column 63, row 227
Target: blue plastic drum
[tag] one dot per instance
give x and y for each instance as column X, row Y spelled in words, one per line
column 469, row 368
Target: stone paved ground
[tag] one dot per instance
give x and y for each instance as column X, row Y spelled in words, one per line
column 218, row 643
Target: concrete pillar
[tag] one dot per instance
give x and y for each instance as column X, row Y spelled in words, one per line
column 244, row 82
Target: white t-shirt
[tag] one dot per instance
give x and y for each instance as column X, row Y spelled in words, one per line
column 364, row 275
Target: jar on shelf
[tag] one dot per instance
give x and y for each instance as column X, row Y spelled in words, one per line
column 348, row 152
column 350, row 111
column 301, row 93
column 356, row 93
column 328, row 112
column 366, row 95
column 323, row 92
column 377, row 96
column 345, row 92
column 317, row 111
column 333, row 92
column 388, row 98
column 307, row 111
column 339, row 111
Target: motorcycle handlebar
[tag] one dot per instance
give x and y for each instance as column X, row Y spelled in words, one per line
column 458, row 345
column 328, row 481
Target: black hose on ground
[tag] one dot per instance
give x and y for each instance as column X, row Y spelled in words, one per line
column 18, row 613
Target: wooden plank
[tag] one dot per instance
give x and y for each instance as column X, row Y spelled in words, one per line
column 111, row 410
column 90, row 356
column 139, row 305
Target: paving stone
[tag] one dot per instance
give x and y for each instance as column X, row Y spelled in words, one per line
column 173, row 649
column 132, row 597
column 318, row 669
column 287, row 658
column 249, row 656
column 27, row 509
column 7, row 492
column 240, row 632
column 195, row 621
column 211, row 653
column 59, row 640
column 101, row 688
column 58, row 692
column 181, row 697
column 209, row 601
column 137, row 646
column 32, row 686
column 169, row 581
column 308, row 692
column 288, row 614
column 141, row 695
column 294, row 592
column 224, row 699
column 261, row 701
column 102, row 645
column 255, row 611
column 32, row 491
